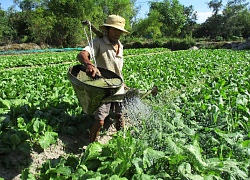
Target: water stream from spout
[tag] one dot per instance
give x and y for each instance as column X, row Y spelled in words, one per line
column 144, row 120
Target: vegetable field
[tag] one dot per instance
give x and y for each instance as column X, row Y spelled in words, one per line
column 197, row 127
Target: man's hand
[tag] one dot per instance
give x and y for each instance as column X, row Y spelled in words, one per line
column 126, row 87
column 92, row 71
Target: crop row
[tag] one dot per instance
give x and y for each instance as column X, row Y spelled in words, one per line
column 196, row 127
column 36, row 59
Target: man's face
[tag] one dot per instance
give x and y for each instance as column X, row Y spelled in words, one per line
column 114, row 34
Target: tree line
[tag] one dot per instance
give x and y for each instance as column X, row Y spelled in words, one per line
column 58, row 22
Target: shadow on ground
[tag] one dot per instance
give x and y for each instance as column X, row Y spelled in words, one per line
column 73, row 135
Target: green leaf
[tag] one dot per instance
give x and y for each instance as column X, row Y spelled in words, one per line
column 246, row 143
column 186, row 171
column 93, row 151
column 48, row 139
column 184, row 168
column 14, row 139
column 64, row 170
column 39, row 126
column 21, row 124
column 241, row 100
column 142, row 176
column 24, row 147
column 5, row 103
column 4, row 119
column 138, row 163
column 151, row 156
column 26, row 175
column 194, row 154
column 172, row 147
column 116, row 177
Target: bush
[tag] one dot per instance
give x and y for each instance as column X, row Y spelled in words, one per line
column 173, row 43
column 236, row 38
column 179, row 44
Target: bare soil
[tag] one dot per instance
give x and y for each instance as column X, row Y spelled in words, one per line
column 12, row 164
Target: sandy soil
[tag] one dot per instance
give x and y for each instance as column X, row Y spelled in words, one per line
column 11, row 165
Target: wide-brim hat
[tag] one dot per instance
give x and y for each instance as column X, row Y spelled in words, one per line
column 115, row 21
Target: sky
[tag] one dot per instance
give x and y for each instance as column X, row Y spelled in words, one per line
column 199, row 5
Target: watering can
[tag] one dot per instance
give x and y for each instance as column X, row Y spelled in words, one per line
column 89, row 96
column 92, row 97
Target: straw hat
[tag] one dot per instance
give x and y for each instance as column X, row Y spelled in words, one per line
column 115, row 21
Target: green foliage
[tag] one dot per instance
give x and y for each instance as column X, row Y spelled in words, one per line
column 171, row 14
column 215, row 5
column 196, row 127
column 149, row 27
column 179, row 44
column 6, row 33
column 42, row 27
column 121, row 158
column 58, row 23
column 244, row 21
column 190, row 24
column 228, row 24
column 170, row 43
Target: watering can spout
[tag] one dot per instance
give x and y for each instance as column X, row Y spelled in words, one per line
column 131, row 93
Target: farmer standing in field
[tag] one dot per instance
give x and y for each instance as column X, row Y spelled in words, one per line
column 108, row 54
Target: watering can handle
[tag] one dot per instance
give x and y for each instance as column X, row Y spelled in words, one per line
column 94, row 29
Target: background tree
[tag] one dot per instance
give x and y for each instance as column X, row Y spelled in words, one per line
column 42, row 26
column 149, row 27
column 68, row 30
column 58, row 22
column 233, row 25
column 21, row 21
column 228, row 24
column 190, row 24
column 215, row 5
column 29, row 5
column 171, row 15
column 244, row 19
column 125, row 8
column 6, row 32
column 214, row 24
column 67, row 15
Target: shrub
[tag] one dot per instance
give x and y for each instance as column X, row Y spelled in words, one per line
column 179, row 44
column 173, row 43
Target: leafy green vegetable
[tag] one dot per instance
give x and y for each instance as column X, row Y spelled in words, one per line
column 196, row 127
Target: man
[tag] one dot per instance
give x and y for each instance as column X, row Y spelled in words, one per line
column 108, row 54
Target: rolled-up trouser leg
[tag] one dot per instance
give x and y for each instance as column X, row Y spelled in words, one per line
column 101, row 113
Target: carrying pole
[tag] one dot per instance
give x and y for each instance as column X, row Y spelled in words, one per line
column 94, row 29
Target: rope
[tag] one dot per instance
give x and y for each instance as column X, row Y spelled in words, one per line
column 92, row 54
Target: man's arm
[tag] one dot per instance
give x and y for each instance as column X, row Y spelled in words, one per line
column 84, row 58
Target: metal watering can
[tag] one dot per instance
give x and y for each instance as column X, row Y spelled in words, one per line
column 92, row 97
